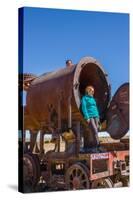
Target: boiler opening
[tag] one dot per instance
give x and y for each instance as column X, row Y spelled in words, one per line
column 92, row 74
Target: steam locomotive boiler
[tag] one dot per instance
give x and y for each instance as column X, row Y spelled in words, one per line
column 53, row 106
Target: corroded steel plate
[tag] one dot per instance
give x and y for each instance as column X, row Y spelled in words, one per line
column 118, row 113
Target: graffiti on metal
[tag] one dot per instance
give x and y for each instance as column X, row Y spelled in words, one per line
column 99, row 156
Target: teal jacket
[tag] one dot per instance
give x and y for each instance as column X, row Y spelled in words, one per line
column 89, row 107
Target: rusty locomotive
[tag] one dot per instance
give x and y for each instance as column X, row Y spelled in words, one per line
column 53, row 106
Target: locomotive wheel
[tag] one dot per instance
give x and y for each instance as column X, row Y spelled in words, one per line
column 31, row 171
column 77, row 177
column 102, row 183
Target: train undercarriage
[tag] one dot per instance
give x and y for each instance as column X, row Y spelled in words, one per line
column 54, row 170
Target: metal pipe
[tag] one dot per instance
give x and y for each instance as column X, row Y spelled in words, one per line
column 33, row 137
column 41, row 141
column 59, row 114
column 78, row 136
column 69, row 113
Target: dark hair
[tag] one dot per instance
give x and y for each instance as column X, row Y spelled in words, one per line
column 67, row 61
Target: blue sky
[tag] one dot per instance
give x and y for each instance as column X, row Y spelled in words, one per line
column 52, row 35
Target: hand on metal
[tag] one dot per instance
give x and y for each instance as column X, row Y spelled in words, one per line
column 88, row 121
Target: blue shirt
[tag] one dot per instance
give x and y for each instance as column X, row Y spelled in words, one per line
column 89, row 107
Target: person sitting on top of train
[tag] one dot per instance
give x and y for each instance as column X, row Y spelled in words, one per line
column 90, row 111
column 69, row 63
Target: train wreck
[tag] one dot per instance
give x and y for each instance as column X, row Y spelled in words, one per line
column 53, row 106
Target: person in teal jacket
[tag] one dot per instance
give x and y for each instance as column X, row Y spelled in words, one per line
column 90, row 111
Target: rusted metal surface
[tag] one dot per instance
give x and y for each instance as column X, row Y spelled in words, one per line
column 31, row 171
column 66, row 85
column 25, row 80
column 64, row 170
column 102, row 183
column 53, row 105
column 115, row 146
column 118, row 113
column 53, row 100
column 77, row 177
column 104, row 164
